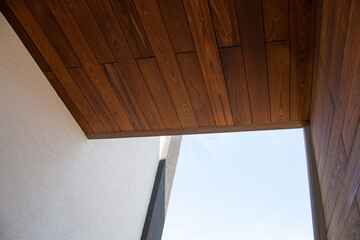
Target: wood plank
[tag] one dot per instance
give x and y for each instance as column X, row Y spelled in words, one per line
column 53, row 32
column 348, row 191
column 91, row 31
column 351, row 228
column 94, row 99
column 70, row 105
column 358, row 197
column 200, row 130
column 159, row 92
column 25, row 17
column 234, row 70
column 334, row 179
column 24, row 37
column 302, row 22
column 205, row 44
column 132, row 27
column 276, row 20
column 176, row 25
column 151, row 19
column 106, row 18
column 253, row 46
column 122, row 90
column 279, row 80
column 70, row 28
column 195, row 85
column 225, row 22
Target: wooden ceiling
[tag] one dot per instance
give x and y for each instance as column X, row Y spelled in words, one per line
column 155, row 67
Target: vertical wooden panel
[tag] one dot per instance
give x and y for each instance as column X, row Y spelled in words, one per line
column 24, row 37
column 276, row 19
column 31, row 26
column 60, row 90
column 133, row 30
column 279, row 80
column 194, row 81
column 53, row 32
column 351, row 230
column 176, row 25
column 302, row 18
column 76, row 39
column 94, row 99
column 159, row 92
column 202, row 30
column 150, row 16
column 233, row 64
column 253, row 46
column 127, row 99
column 225, row 22
column 91, row 30
column 106, row 18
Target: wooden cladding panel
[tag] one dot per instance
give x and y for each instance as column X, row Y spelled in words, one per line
column 253, row 45
column 140, row 66
column 225, row 22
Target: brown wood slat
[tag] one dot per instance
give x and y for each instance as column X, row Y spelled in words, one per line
column 358, row 197
column 194, row 81
column 53, row 32
column 233, row 64
column 225, row 22
column 91, row 31
column 253, row 46
column 276, row 19
column 159, row 40
column 351, row 231
column 25, row 17
column 202, row 30
column 25, row 39
column 302, row 22
column 132, row 27
column 279, row 80
column 334, row 179
column 70, row 28
column 159, row 92
column 94, row 99
column 70, row 105
column 106, row 18
column 127, row 99
column 176, row 25
column 348, row 191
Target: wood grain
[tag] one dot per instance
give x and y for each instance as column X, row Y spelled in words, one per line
column 225, row 22
column 70, row 105
column 351, row 229
column 94, row 99
column 302, row 18
column 53, row 32
column 106, row 18
column 125, row 95
column 70, row 28
column 276, row 20
column 25, row 17
column 205, row 43
column 194, row 81
column 253, row 46
column 24, row 37
column 233, row 64
column 132, row 27
column 159, row 92
column 91, row 31
column 279, row 80
column 176, row 25
column 151, row 19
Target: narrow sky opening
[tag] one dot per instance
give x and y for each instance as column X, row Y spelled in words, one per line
column 247, row 185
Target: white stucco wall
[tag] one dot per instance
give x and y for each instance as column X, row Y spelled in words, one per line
column 54, row 183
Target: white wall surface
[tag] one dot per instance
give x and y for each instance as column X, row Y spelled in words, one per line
column 54, row 183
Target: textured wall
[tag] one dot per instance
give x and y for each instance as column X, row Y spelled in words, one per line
column 54, row 183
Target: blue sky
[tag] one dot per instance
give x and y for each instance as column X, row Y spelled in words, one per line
column 247, row 185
